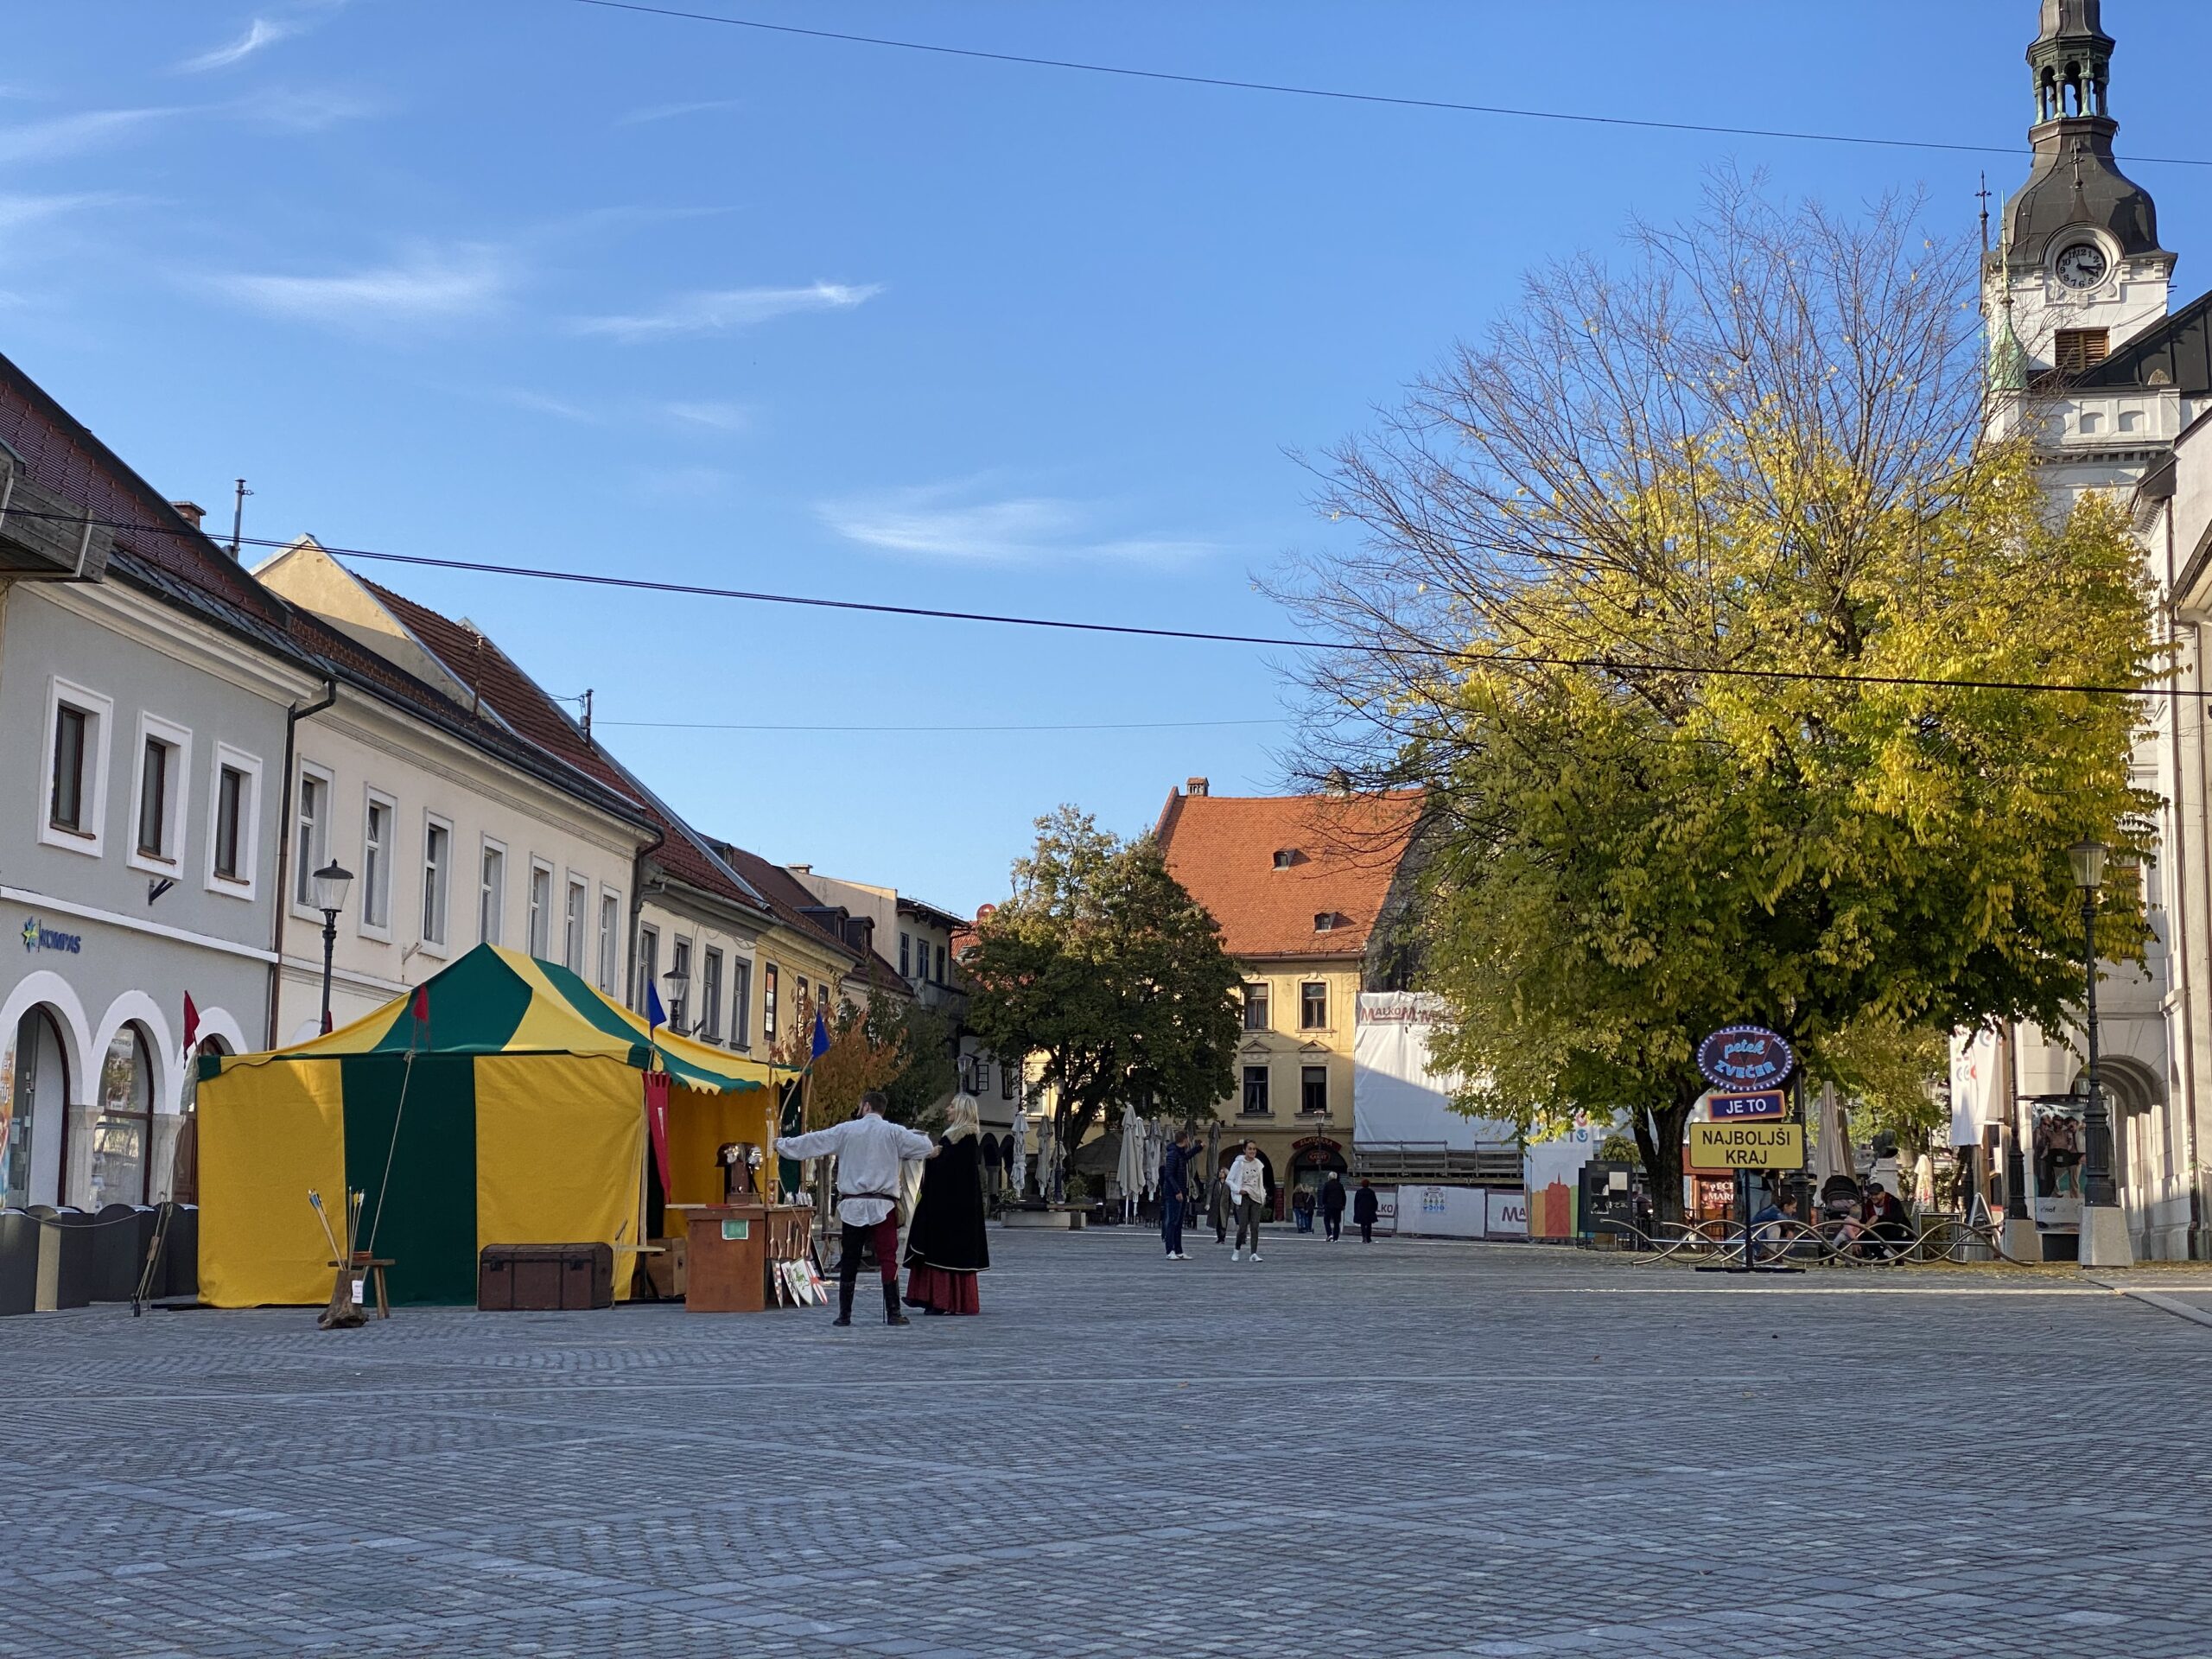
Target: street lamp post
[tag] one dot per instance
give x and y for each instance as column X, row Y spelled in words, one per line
column 330, row 884
column 678, row 980
column 2103, row 1232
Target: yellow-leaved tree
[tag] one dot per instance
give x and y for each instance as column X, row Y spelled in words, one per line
column 1724, row 640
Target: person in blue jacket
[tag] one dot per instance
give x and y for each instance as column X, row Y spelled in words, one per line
column 1174, row 1188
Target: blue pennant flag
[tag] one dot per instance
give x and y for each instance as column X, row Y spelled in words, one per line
column 821, row 1035
column 655, row 1014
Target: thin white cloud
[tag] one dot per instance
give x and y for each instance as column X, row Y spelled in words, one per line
column 260, row 33
column 430, row 287
column 69, row 135
column 937, row 522
column 19, row 213
column 672, row 111
column 719, row 310
column 312, row 110
column 722, row 417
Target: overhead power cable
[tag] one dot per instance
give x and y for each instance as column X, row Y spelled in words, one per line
column 1087, row 726
column 1625, row 667
column 1341, row 95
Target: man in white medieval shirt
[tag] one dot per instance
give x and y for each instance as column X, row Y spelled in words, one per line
column 869, row 1149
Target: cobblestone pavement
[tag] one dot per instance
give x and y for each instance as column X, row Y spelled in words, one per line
column 1408, row 1449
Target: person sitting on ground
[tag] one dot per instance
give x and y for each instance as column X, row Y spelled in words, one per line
column 1887, row 1219
column 1767, row 1228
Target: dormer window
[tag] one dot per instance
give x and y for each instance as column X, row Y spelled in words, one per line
column 1286, row 856
column 1328, row 921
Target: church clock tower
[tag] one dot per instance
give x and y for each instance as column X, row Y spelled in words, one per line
column 2078, row 272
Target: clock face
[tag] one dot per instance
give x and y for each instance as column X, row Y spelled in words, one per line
column 2082, row 265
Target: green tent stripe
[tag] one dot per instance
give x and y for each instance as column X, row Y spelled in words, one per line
column 595, row 1008
column 475, row 1006
column 427, row 1228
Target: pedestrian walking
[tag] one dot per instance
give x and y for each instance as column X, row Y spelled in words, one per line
column 1302, row 1209
column 1366, row 1206
column 1332, row 1207
column 1223, row 1208
column 1246, row 1181
column 869, row 1150
column 946, row 1245
column 1175, row 1189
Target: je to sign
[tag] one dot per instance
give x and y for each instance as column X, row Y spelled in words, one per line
column 1747, row 1146
column 1741, row 1108
column 1745, row 1057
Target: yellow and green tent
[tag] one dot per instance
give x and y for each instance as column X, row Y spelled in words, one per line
column 502, row 1102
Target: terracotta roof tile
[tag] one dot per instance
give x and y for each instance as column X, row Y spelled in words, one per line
column 1339, row 855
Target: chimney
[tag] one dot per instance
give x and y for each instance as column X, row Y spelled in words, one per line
column 191, row 511
column 800, row 870
column 1195, row 786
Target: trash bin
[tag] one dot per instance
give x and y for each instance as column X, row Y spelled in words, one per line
column 64, row 1259
column 180, row 1272
column 121, row 1234
column 19, row 1231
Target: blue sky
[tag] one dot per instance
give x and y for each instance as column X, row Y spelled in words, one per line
column 536, row 281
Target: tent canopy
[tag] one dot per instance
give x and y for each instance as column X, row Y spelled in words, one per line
column 498, row 1002
column 515, row 1114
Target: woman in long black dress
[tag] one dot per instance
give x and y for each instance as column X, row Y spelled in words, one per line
column 945, row 1243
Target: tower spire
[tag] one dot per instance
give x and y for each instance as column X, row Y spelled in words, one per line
column 2075, row 184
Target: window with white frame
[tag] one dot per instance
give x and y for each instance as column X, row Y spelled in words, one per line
column 610, row 941
column 437, row 876
column 158, row 809
column 73, row 809
column 491, row 893
column 768, row 1005
column 234, row 823
column 710, row 997
column 648, row 966
column 377, row 820
column 679, row 1001
column 575, row 916
column 540, row 940
column 741, row 1005
column 310, row 834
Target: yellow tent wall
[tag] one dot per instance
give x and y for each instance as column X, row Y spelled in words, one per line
column 267, row 1134
column 560, row 1154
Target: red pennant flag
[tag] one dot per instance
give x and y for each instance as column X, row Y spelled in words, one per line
column 657, row 1085
column 191, row 1023
column 423, row 1010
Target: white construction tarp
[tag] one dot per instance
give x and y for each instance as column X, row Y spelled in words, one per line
column 1396, row 1098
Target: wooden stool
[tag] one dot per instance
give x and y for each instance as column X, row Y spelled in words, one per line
column 373, row 1266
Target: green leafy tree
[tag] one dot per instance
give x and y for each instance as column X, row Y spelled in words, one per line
column 918, row 1094
column 1104, row 968
column 1612, row 558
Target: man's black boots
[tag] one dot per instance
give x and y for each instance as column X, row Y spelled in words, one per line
column 890, row 1313
column 844, row 1301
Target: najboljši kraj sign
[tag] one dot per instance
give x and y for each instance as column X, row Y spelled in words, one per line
column 1746, row 1146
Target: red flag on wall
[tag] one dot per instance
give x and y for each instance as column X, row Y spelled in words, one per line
column 422, row 1011
column 657, row 1086
column 191, row 1023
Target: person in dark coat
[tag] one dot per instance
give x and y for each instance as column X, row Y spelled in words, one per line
column 1333, row 1206
column 1174, row 1193
column 1366, row 1206
column 946, row 1246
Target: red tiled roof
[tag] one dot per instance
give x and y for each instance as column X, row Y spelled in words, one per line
column 1344, row 851
column 166, row 554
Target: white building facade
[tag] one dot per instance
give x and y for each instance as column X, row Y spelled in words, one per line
column 2088, row 355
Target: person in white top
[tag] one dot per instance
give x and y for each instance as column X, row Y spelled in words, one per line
column 1248, row 1190
column 869, row 1150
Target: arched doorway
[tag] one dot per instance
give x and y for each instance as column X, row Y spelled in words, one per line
column 34, row 1096
column 114, row 1133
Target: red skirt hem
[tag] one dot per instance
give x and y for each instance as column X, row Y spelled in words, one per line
column 942, row 1290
